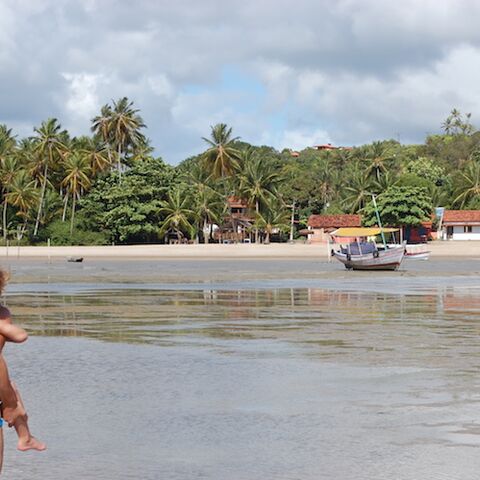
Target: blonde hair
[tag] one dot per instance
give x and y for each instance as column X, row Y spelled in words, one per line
column 4, row 276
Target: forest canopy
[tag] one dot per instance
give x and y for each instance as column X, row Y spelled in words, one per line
column 110, row 187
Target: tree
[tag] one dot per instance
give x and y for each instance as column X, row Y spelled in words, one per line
column 22, row 194
column 120, row 129
column 179, row 217
column 208, row 204
column 49, row 148
column 125, row 128
column 102, row 128
column 128, row 212
column 378, row 154
column 456, row 123
column 258, row 184
column 221, row 156
column 467, row 184
column 399, row 206
column 426, row 168
column 272, row 217
column 76, row 180
column 358, row 191
column 8, row 167
column 97, row 155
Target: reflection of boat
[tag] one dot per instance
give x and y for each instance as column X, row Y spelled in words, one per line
column 364, row 255
column 75, row 259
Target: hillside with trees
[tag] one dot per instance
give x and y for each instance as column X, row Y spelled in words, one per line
column 110, row 187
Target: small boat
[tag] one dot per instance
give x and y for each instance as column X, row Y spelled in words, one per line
column 361, row 254
column 75, row 259
column 417, row 252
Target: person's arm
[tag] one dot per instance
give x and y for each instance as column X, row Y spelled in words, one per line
column 11, row 409
column 12, row 333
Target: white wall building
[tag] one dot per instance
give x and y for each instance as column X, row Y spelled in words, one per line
column 461, row 225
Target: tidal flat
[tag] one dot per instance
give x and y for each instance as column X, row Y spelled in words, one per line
column 247, row 369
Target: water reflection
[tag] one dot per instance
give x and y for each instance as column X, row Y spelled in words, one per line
column 252, row 384
column 435, row 325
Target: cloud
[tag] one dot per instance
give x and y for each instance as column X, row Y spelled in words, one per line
column 348, row 72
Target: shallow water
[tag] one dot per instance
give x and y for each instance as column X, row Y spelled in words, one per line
column 245, row 370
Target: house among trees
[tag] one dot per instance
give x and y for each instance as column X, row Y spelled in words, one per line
column 460, row 225
column 326, row 146
column 329, row 146
column 237, row 224
column 319, row 226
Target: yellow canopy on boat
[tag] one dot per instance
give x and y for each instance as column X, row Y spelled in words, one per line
column 361, row 232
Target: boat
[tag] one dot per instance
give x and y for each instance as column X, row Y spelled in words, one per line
column 417, row 252
column 362, row 254
column 75, row 259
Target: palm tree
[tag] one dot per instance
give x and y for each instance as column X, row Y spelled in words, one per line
column 209, row 206
column 386, row 181
column 358, row 191
column 468, row 184
column 98, row 156
column 273, row 216
column 378, row 155
column 23, row 195
column 258, row 184
column 102, row 128
column 76, row 181
column 208, row 209
column 8, row 167
column 221, row 156
column 178, row 216
column 124, row 127
column 49, row 147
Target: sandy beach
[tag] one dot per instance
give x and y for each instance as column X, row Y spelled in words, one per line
column 273, row 250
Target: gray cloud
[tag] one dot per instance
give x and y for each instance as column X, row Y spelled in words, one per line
column 348, row 71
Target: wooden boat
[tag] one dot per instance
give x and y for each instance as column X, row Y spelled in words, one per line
column 363, row 255
column 417, row 252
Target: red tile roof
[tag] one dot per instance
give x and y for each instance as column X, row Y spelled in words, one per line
column 334, row 221
column 327, row 146
column 461, row 217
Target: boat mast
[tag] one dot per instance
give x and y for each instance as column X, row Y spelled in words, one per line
column 379, row 221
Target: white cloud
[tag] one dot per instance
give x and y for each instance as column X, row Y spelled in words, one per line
column 299, row 139
column 348, row 71
column 82, row 99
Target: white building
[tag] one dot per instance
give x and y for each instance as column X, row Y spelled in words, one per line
column 461, row 225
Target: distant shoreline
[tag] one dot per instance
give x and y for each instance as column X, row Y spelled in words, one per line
column 273, row 250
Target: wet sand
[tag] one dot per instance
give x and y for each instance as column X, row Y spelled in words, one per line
column 247, row 369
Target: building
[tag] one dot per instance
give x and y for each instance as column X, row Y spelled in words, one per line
column 326, row 146
column 329, row 146
column 319, row 226
column 237, row 225
column 460, row 225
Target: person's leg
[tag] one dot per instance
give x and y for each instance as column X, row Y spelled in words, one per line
column 26, row 441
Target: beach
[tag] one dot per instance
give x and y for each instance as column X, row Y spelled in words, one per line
column 273, row 250
column 246, row 368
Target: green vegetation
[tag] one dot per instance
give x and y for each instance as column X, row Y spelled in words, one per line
column 110, row 188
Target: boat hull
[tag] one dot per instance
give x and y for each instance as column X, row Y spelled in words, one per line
column 389, row 259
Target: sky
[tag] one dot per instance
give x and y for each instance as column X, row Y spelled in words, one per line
column 285, row 73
